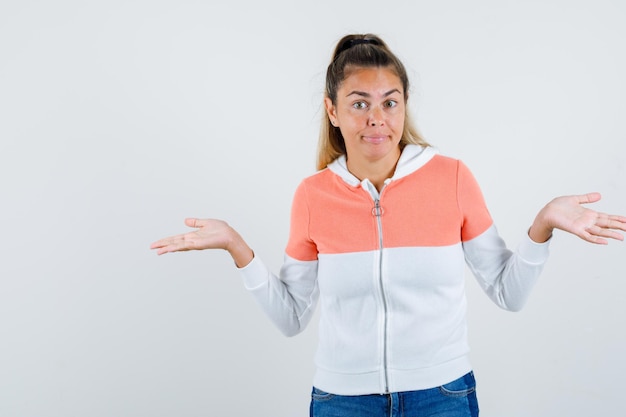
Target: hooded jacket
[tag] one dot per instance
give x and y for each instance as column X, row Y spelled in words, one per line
column 388, row 270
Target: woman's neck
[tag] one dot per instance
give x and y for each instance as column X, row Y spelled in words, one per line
column 376, row 171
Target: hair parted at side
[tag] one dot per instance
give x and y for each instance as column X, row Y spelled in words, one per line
column 359, row 51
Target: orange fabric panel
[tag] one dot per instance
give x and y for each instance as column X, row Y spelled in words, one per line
column 438, row 205
column 330, row 216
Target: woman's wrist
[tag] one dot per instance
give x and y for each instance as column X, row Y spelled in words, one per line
column 239, row 250
column 540, row 231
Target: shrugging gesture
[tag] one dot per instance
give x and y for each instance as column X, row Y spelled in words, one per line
column 567, row 213
column 385, row 268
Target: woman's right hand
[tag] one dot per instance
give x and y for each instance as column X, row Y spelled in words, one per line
column 569, row 214
column 210, row 234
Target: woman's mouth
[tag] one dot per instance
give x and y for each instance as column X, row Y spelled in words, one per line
column 374, row 139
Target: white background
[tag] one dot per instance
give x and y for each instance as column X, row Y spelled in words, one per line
column 118, row 119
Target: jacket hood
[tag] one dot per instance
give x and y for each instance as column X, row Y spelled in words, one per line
column 413, row 157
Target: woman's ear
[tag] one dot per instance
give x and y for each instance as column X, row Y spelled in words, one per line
column 331, row 111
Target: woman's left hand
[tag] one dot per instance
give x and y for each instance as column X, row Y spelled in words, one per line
column 567, row 213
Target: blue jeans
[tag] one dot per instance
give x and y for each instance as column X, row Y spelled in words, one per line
column 455, row 399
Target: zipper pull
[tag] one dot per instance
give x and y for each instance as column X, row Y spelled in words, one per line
column 377, row 210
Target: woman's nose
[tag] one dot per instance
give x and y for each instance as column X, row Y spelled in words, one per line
column 375, row 117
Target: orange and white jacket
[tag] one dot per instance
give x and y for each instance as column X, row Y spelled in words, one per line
column 388, row 270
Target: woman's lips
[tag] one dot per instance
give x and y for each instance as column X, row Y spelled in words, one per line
column 374, row 139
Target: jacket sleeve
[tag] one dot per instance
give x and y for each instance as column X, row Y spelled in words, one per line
column 289, row 299
column 506, row 276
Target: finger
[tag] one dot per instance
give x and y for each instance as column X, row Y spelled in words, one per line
column 617, row 222
column 610, row 231
column 169, row 249
column 611, row 234
column 158, row 244
column 611, row 223
column 193, row 222
column 163, row 251
column 591, row 235
column 178, row 245
column 589, row 198
column 599, row 233
column 168, row 241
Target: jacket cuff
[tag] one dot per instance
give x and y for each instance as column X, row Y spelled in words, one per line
column 533, row 252
column 255, row 274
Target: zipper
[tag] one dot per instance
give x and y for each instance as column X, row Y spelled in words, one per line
column 377, row 211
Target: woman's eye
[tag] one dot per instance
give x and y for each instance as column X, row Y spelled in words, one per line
column 359, row 105
column 391, row 103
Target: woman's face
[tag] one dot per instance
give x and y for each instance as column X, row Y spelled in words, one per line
column 370, row 110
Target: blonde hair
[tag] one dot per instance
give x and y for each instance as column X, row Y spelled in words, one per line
column 351, row 52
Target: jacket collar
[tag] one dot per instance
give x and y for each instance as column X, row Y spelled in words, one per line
column 413, row 157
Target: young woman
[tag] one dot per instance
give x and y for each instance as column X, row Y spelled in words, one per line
column 380, row 235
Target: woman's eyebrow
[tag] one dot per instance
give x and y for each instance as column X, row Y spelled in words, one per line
column 367, row 95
